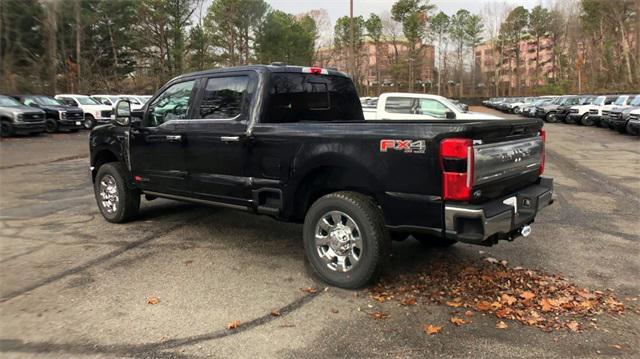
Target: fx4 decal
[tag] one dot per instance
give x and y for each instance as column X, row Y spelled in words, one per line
column 408, row 146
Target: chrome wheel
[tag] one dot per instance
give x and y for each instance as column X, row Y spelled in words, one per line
column 109, row 194
column 338, row 241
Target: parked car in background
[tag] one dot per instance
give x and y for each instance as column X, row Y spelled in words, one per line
column 415, row 106
column 585, row 114
column 17, row 118
column 633, row 125
column 621, row 101
column 619, row 116
column 516, row 106
column 108, row 100
column 564, row 111
column 59, row 117
column 530, row 109
column 548, row 111
column 94, row 112
column 137, row 102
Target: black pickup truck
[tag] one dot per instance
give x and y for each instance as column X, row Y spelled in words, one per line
column 291, row 142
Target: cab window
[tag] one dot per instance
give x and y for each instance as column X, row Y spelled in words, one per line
column 224, row 97
column 29, row 102
column 432, row 108
column 399, row 105
column 172, row 104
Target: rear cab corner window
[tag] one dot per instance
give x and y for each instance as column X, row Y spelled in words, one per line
column 298, row 97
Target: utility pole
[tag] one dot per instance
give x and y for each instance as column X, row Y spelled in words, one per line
column 76, row 9
column 352, row 55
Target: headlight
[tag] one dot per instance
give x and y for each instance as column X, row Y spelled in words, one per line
column 62, row 114
column 19, row 117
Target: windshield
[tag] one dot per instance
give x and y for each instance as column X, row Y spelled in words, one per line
column 621, row 100
column 47, row 101
column 599, row 100
column 636, row 101
column 586, row 100
column 86, row 100
column 9, row 102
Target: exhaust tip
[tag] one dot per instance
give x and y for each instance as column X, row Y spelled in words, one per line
column 525, row 231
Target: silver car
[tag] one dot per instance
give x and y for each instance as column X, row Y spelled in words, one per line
column 17, row 118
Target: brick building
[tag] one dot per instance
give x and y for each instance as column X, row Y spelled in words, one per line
column 535, row 66
column 394, row 65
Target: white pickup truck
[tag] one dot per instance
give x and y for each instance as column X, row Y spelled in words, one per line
column 415, row 106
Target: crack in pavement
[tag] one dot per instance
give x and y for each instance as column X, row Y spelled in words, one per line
column 156, row 349
column 96, row 261
column 61, row 159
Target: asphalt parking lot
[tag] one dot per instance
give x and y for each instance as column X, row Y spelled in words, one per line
column 72, row 284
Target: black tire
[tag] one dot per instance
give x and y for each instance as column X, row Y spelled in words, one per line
column 569, row 120
column 6, row 129
column 586, row 120
column 374, row 238
column 630, row 130
column 89, row 122
column 551, row 117
column 621, row 129
column 128, row 200
column 433, row 241
column 51, row 126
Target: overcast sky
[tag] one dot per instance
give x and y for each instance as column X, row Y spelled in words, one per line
column 338, row 8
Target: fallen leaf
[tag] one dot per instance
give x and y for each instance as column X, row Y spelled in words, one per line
column 379, row 298
column 573, row 325
column 501, row 325
column 233, row 325
column 379, row 315
column 526, row 295
column 457, row 321
column 432, row 329
column 509, row 299
column 409, row 301
column 309, row 290
column 546, row 305
column 453, row 304
column 188, row 263
column 468, row 313
column 616, row 346
column 334, row 311
column 275, row 313
column 153, row 300
column 504, row 312
column 483, row 306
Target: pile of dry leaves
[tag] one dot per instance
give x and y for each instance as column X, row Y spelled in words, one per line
column 532, row 298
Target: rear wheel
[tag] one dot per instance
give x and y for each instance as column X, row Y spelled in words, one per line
column 433, row 241
column 51, row 125
column 89, row 122
column 345, row 239
column 551, row 117
column 568, row 119
column 117, row 202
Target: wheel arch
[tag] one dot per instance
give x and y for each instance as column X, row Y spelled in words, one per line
column 325, row 178
column 101, row 157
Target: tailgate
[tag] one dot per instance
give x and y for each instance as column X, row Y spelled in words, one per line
column 496, row 162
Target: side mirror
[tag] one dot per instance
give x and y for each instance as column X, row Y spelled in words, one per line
column 450, row 115
column 122, row 113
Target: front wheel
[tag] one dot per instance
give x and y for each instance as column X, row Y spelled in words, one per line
column 51, row 126
column 89, row 122
column 586, row 120
column 551, row 117
column 345, row 239
column 6, row 129
column 117, row 202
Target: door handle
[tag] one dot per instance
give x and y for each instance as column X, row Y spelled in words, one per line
column 174, row 138
column 230, row 138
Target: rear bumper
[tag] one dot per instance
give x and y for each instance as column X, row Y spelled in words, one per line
column 492, row 221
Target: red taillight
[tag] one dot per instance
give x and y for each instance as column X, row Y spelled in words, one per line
column 315, row 70
column 456, row 159
column 543, row 135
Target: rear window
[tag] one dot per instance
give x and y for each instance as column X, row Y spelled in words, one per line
column 296, row 97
